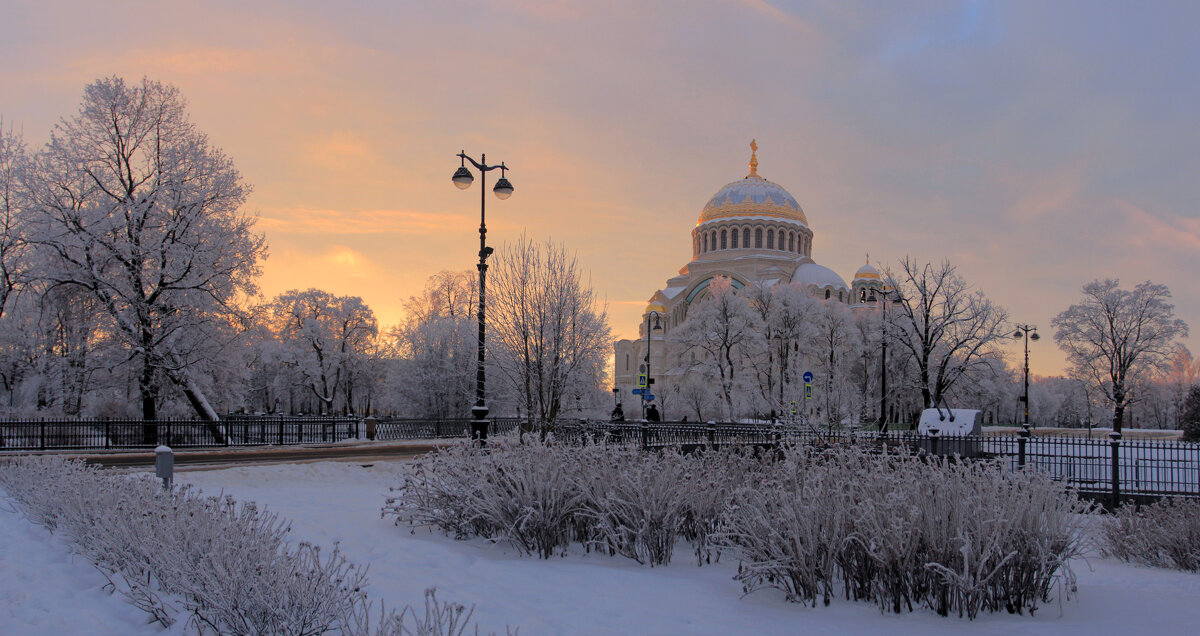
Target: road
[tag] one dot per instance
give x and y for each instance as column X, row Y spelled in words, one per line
column 202, row 458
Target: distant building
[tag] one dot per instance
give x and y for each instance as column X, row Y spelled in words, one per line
column 753, row 232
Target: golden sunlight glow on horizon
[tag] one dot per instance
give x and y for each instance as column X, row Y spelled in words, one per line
column 936, row 132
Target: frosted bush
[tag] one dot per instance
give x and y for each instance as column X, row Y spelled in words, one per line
column 524, row 493
column 441, row 489
column 1164, row 534
column 221, row 566
column 900, row 531
column 636, row 503
column 710, row 480
column 897, row 530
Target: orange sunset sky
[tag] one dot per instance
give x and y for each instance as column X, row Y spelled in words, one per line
column 1037, row 145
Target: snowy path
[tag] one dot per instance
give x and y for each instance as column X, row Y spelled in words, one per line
column 43, row 590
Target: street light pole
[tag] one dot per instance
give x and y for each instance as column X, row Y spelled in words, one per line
column 883, row 423
column 1028, row 332
column 657, row 327
column 503, row 189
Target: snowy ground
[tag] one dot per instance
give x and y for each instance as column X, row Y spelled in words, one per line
column 580, row 594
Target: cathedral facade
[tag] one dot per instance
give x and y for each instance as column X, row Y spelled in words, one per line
column 753, row 232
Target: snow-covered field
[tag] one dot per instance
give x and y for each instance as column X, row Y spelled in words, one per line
column 45, row 591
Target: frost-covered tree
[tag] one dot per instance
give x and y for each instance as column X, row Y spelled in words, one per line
column 435, row 348
column 832, row 355
column 324, row 338
column 1116, row 338
column 550, row 332
column 14, row 258
column 1191, row 415
column 720, row 337
column 943, row 327
column 788, row 313
column 130, row 202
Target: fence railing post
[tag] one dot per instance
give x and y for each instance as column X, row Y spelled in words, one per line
column 645, row 436
column 281, row 430
column 42, row 435
column 712, row 435
column 1116, row 469
column 107, row 436
column 1022, row 440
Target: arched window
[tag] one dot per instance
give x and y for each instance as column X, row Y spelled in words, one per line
column 770, row 239
column 791, row 241
column 723, row 239
column 758, row 238
column 704, row 242
column 714, row 241
column 627, row 362
column 826, row 294
column 840, row 296
column 746, row 237
column 734, row 239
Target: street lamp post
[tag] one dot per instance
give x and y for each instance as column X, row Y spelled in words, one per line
column 657, row 327
column 885, row 295
column 503, row 189
column 1028, row 332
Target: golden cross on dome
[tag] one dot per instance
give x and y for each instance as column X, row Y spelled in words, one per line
column 753, row 159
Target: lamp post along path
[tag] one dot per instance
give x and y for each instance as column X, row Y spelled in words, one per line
column 503, row 189
column 657, row 327
column 883, row 300
column 1028, row 332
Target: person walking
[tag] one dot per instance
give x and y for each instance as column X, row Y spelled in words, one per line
column 618, row 414
column 652, row 414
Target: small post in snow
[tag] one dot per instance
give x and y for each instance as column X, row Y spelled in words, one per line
column 164, row 465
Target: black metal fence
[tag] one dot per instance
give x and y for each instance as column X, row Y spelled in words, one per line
column 63, row 434
column 1103, row 469
column 418, row 428
column 1097, row 467
column 233, row 430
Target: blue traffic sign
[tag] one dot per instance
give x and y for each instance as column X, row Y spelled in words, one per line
column 648, row 397
column 639, row 391
column 808, row 377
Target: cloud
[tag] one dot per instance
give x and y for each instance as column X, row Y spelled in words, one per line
column 348, row 261
column 1148, row 231
column 341, row 150
column 342, row 222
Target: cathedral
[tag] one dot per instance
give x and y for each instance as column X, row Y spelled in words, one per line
column 751, row 231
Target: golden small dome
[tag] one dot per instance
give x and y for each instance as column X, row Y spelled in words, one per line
column 867, row 271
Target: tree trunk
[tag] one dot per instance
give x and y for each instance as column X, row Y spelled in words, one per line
column 149, row 394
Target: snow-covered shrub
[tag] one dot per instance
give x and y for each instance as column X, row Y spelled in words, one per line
column 224, row 567
column 441, row 488
column 525, row 493
column 531, row 497
column 1163, row 534
column 710, row 479
column 788, row 529
column 636, row 503
column 900, row 530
